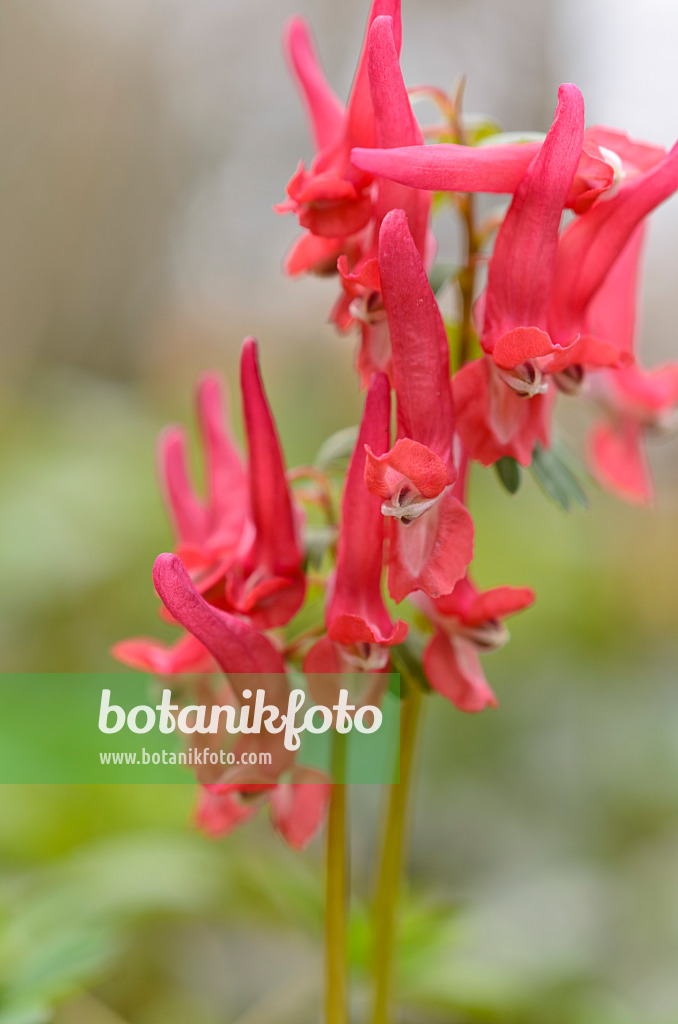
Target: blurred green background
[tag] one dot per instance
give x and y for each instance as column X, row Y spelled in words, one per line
column 142, row 146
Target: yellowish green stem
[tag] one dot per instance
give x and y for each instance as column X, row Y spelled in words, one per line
column 336, row 894
column 390, row 868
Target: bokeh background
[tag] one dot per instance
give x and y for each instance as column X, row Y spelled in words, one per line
column 142, row 145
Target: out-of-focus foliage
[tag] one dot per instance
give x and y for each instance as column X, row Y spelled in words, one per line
column 546, row 833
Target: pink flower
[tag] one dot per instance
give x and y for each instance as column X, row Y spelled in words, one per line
column 468, row 623
column 359, row 628
column 607, row 157
column 431, row 533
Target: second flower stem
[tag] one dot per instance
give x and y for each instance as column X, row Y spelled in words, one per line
column 390, row 868
column 336, row 893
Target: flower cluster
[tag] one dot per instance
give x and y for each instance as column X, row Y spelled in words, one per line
column 554, row 314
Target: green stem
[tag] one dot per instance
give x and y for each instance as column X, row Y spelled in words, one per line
column 336, row 893
column 388, row 884
column 467, row 278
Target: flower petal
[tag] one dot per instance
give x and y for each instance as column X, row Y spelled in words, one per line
column 619, row 461
column 277, row 546
column 444, row 167
column 454, row 670
column 235, row 645
column 325, row 110
column 421, row 362
column 298, row 808
column 590, row 245
column 431, row 553
column 187, row 513
column 521, row 269
column 356, row 611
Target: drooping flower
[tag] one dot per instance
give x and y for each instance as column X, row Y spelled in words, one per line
column 250, row 662
column 359, row 627
column 431, row 532
column 468, row 623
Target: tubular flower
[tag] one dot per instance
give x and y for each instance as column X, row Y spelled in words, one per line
column 266, row 582
column 240, row 545
column 394, row 124
column 359, row 628
column 520, row 351
column 608, row 156
column 332, row 199
column 388, row 119
column 468, row 623
column 208, row 531
column 431, row 533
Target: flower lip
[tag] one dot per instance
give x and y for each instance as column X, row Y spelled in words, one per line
column 488, row 636
column 570, row 380
column 408, row 504
column 365, row 657
column 526, row 380
column 368, row 308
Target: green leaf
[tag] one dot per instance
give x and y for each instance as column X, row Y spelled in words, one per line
column 406, row 660
column 550, row 469
column 441, row 274
column 318, row 540
column 339, row 445
column 505, row 138
column 509, row 473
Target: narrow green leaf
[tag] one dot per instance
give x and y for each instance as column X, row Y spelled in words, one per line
column 406, row 660
column 509, row 473
column 556, row 479
column 339, row 445
column 441, row 274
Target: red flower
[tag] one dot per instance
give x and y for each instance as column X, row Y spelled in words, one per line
column 298, row 807
column 332, row 199
column 608, row 156
column 359, row 628
column 637, row 403
column 343, row 220
column 431, row 533
column 240, row 544
column 468, row 623
column 251, row 663
column 266, row 582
